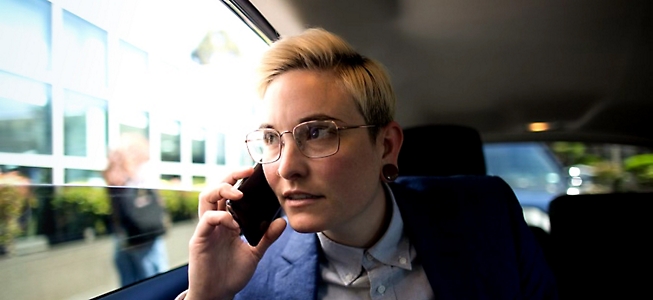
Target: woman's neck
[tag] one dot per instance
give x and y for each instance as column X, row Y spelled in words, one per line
column 366, row 229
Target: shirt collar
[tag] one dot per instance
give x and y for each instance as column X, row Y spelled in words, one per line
column 392, row 249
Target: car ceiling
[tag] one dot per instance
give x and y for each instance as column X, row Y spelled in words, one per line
column 584, row 65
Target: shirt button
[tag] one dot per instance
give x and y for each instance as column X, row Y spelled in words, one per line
column 348, row 277
column 369, row 257
column 381, row 289
column 402, row 260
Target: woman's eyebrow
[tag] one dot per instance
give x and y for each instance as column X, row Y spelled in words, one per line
column 314, row 117
column 318, row 117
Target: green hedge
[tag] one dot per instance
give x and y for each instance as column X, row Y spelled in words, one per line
column 181, row 205
column 80, row 207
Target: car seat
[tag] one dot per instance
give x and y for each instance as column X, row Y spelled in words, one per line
column 448, row 150
column 601, row 245
column 441, row 150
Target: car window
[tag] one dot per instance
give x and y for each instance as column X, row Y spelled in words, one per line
column 75, row 79
column 538, row 171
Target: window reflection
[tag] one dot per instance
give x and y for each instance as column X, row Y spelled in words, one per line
column 199, row 181
column 25, row 115
column 171, row 141
column 34, row 175
column 130, row 80
column 25, row 33
column 221, row 159
column 135, row 122
column 199, row 146
column 84, row 54
column 77, row 176
column 171, row 179
column 77, row 75
column 85, row 125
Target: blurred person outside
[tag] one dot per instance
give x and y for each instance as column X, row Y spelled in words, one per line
column 137, row 211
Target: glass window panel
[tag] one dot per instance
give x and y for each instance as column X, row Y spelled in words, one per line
column 25, row 115
column 131, row 82
column 34, row 175
column 85, row 125
column 199, row 153
column 171, row 141
column 170, row 85
column 25, row 36
column 94, row 39
column 199, row 181
column 78, row 176
column 221, row 159
column 528, row 167
column 199, row 146
column 85, row 54
column 171, row 179
column 245, row 158
column 135, row 122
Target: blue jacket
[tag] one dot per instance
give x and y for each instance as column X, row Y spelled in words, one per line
column 469, row 232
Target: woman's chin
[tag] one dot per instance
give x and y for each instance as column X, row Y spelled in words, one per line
column 306, row 223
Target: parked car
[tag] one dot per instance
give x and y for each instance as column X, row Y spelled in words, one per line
column 534, row 174
column 531, row 170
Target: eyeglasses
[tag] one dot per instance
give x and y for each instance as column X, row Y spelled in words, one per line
column 315, row 139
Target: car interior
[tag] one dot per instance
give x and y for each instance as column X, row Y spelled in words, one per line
column 570, row 76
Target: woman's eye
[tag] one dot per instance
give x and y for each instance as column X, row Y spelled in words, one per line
column 316, row 132
column 269, row 138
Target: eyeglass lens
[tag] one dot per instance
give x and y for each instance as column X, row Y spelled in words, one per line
column 314, row 139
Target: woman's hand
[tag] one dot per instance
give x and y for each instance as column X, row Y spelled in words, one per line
column 220, row 262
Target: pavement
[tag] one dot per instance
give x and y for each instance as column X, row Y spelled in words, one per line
column 76, row 270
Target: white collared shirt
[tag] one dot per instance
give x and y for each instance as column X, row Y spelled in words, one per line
column 387, row 270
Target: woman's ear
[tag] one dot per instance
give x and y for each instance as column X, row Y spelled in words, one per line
column 392, row 136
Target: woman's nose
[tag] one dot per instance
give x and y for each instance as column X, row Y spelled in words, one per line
column 291, row 160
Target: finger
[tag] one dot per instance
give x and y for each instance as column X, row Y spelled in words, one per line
column 271, row 235
column 209, row 199
column 212, row 219
column 238, row 174
column 214, row 198
column 233, row 193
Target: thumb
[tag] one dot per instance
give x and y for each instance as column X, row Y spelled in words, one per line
column 271, row 235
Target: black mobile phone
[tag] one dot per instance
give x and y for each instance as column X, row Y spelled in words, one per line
column 257, row 208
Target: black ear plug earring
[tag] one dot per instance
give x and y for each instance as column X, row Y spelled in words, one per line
column 390, row 172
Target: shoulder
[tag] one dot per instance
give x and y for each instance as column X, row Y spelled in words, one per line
column 453, row 191
column 465, row 206
column 473, row 223
column 449, row 183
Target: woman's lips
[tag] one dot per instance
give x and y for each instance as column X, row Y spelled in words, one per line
column 297, row 199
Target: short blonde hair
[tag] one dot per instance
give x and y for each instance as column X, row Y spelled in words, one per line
column 317, row 49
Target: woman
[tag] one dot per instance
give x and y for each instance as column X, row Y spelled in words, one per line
column 329, row 149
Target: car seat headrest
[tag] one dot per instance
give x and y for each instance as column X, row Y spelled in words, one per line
column 441, row 150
